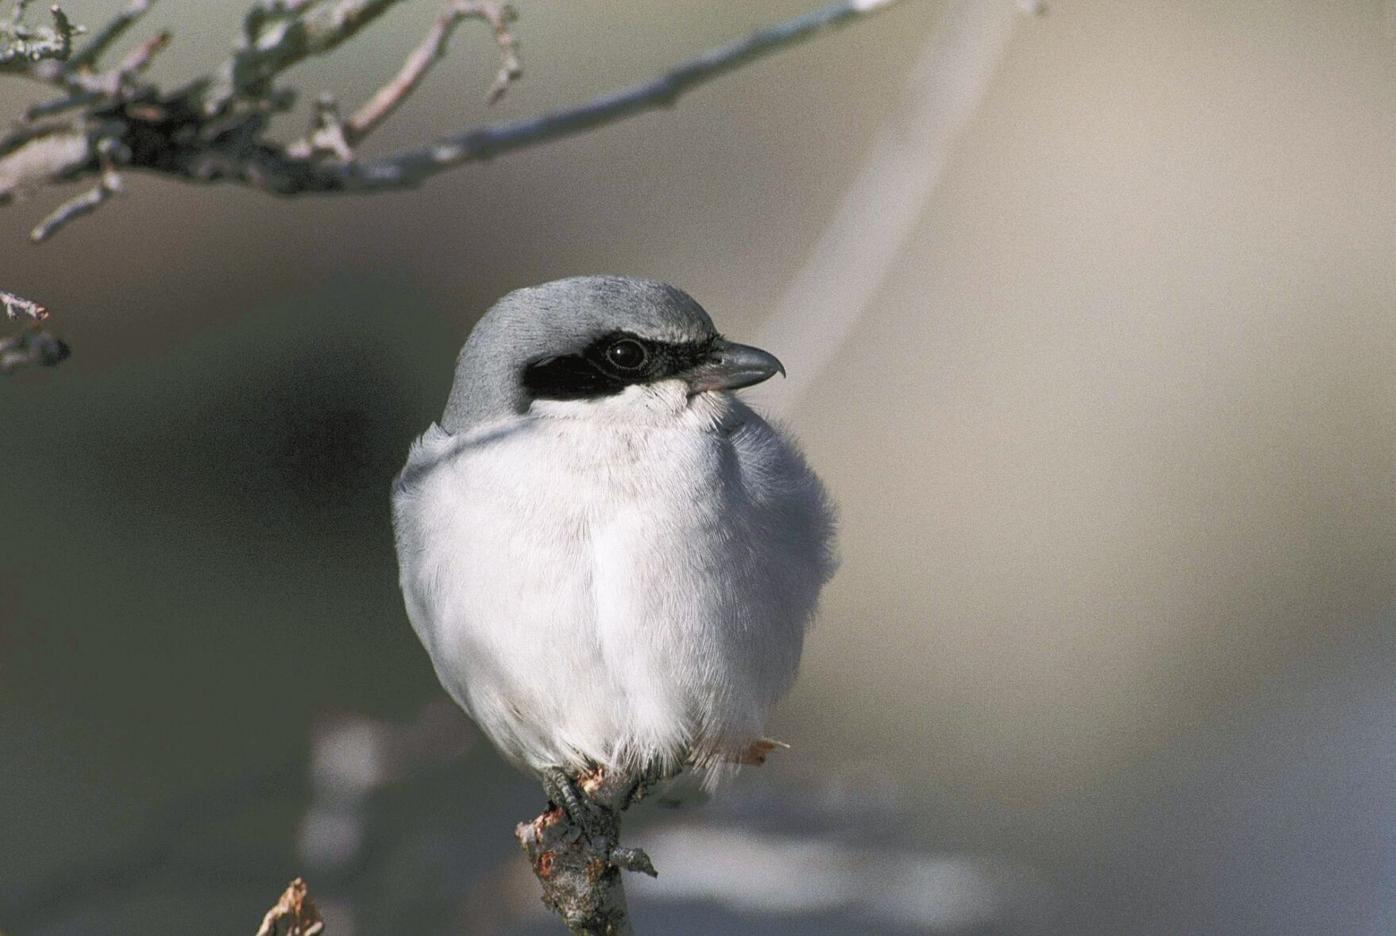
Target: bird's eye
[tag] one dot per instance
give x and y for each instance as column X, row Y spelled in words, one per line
column 627, row 354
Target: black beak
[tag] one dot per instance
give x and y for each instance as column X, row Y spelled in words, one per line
column 733, row 366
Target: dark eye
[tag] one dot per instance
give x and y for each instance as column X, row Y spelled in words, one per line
column 627, row 354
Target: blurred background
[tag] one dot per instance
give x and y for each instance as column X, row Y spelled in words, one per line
column 1112, row 648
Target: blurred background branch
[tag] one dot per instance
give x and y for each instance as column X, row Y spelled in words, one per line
column 106, row 120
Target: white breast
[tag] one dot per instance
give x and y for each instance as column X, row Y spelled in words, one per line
column 593, row 586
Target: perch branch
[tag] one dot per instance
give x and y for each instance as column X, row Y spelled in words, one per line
column 580, row 868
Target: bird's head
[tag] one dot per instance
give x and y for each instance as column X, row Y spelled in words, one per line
column 595, row 344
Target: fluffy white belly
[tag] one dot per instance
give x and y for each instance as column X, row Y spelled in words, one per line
column 612, row 592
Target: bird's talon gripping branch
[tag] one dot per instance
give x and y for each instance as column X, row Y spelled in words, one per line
column 563, row 792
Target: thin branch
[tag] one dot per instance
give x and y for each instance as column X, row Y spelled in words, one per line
column 499, row 16
column 280, row 34
column 75, row 208
column 412, row 168
column 139, row 59
column 104, row 38
column 340, row 137
column 107, row 88
column 430, row 50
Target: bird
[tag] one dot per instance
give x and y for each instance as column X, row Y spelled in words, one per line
column 611, row 560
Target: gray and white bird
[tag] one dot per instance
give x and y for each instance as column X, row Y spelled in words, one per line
column 610, row 559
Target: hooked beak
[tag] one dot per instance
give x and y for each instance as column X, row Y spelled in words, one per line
column 732, row 366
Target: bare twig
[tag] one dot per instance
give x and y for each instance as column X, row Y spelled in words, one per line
column 214, row 130
column 294, row 914
column 278, row 34
column 340, row 137
column 104, row 88
column 499, row 16
column 414, row 167
column 139, row 59
column 104, row 38
column 84, row 204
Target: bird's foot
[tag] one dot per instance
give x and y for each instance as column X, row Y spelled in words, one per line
column 584, row 813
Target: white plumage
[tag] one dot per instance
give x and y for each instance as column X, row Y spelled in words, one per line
column 622, row 579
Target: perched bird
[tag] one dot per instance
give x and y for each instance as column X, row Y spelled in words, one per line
column 610, row 559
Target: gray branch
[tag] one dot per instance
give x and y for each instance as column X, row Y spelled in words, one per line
column 330, row 135
column 216, row 128
column 105, row 121
column 278, row 34
column 92, row 50
column 75, row 208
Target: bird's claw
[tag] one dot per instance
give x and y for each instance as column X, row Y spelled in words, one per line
column 591, row 820
column 633, row 859
column 562, row 790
